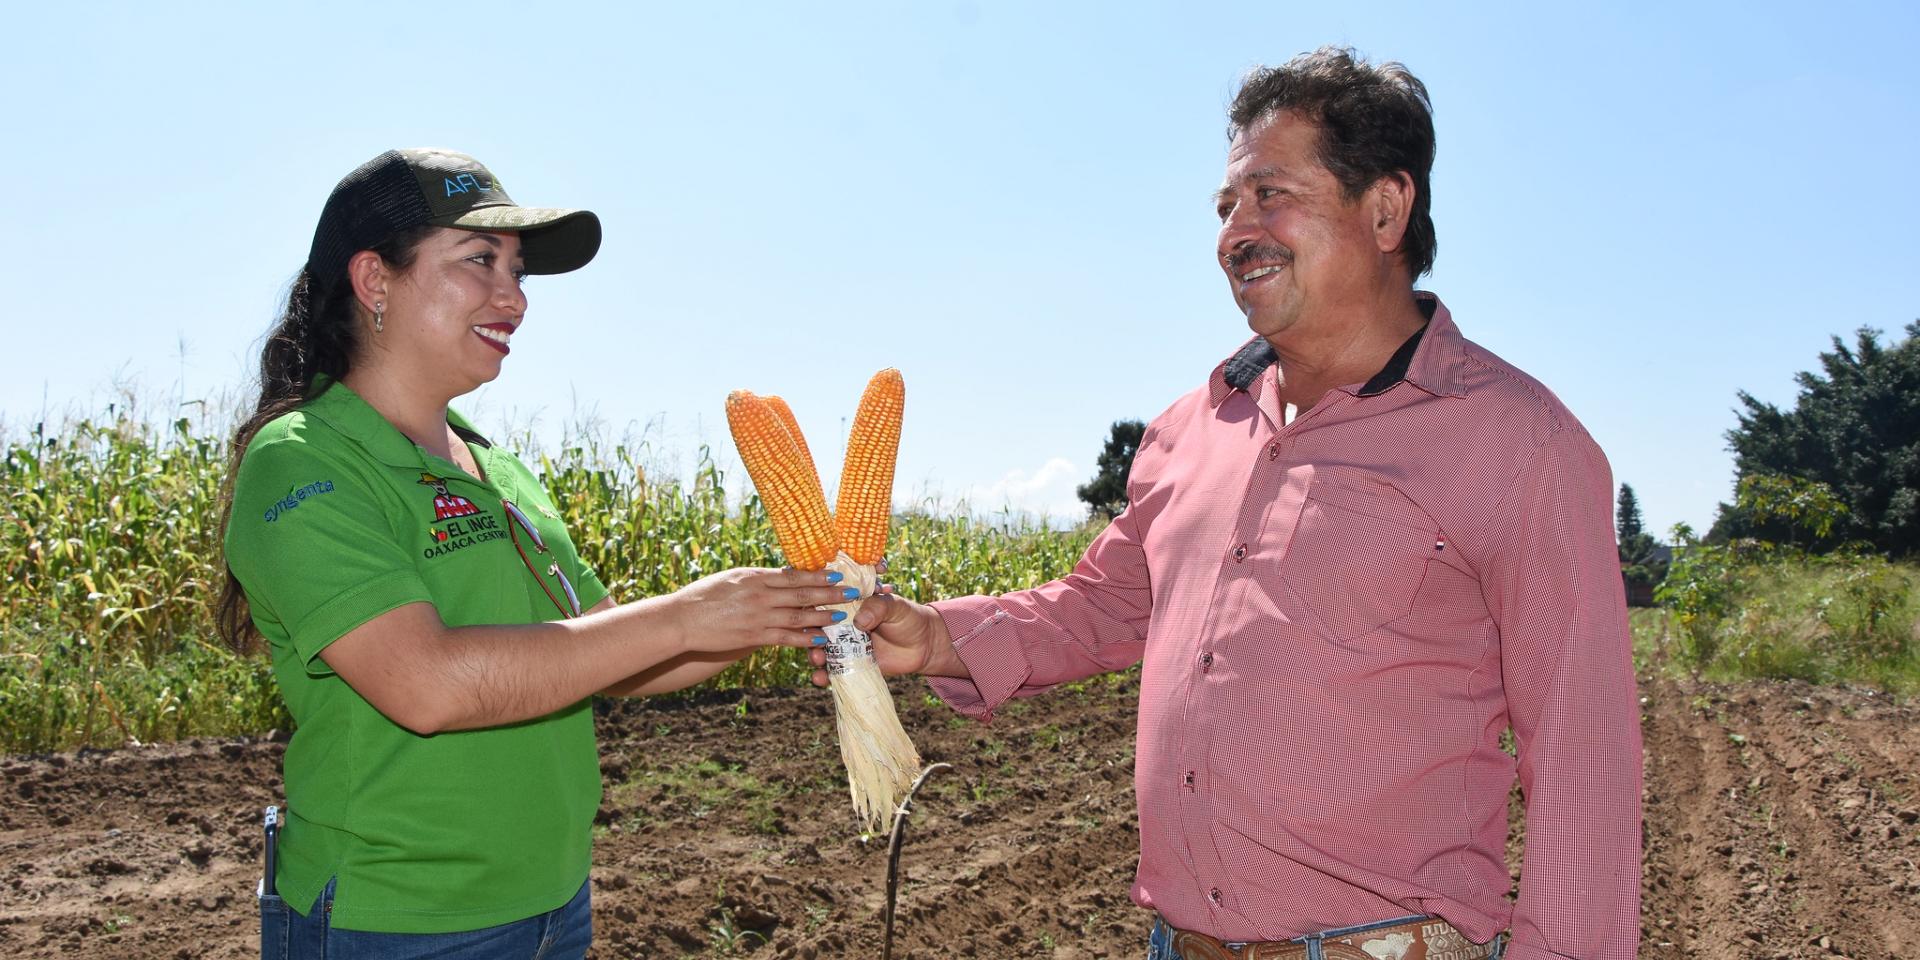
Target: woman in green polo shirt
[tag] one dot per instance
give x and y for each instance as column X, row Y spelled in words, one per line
column 434, row 632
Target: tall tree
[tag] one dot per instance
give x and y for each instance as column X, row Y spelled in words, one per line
column 1854, row 427
column 1626, row 514
column 1106, row 494
column 1643, row 559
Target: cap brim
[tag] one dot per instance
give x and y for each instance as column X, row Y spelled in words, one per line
column 552, row 240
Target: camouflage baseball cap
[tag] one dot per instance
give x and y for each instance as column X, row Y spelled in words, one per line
column 401, row 189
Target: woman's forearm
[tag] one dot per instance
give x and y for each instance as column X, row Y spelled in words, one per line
column 431, row 678
column 679, row 673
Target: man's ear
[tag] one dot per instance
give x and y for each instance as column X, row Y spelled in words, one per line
column 369, row 275
column 1390, row 201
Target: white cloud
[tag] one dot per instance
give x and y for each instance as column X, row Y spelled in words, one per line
column 1045, row 492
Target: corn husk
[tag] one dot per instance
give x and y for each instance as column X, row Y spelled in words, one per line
column 880, row 758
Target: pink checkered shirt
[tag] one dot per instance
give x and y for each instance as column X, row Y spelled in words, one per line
column 1338, row 618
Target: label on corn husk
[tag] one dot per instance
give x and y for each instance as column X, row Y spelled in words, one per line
column 846, row 642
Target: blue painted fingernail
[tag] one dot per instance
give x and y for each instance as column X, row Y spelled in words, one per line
column 819, row 641
column 851, row 593
column 839, row 615
column 833, row 577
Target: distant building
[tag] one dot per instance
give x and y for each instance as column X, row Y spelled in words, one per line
column 1640, row 592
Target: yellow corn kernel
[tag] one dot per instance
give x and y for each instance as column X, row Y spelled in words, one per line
column 785, row 414
column 866, row 481
column 789, row 488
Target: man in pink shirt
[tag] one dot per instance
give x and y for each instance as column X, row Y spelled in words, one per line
column 1357, row 555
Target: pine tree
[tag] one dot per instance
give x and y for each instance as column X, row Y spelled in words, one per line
column 1627, row 516
column 1106, row 494
column 1642, row 558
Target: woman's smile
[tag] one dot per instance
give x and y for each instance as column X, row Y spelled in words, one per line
column 495, row 335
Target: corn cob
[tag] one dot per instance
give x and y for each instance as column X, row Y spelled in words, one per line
column 785, row 414
column 879, row 756
column 866, row 480
column 789, row 488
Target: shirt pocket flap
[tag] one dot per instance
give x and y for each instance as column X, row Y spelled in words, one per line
column 1358, row 556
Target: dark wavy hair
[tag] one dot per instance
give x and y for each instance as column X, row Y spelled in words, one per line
column 1375, row 121
column 317, row 335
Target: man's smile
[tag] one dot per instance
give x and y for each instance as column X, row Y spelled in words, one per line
column 1254, row 261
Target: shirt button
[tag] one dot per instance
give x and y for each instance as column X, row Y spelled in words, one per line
column 1239, row 553
column 1189, row 778
column 1273, row 450
column 1214, row 894
column 1206, row 660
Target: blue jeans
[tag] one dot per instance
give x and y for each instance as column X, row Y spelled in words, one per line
column 561, row 934
column 1160, row 941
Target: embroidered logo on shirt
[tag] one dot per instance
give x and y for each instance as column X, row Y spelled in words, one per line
column 461, row 533
column 447, row 505
column 457, row 523
column 295, row 496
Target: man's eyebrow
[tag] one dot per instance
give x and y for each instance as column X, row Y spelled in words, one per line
column 1264, row 173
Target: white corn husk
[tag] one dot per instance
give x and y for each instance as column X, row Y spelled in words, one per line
column 881, row 760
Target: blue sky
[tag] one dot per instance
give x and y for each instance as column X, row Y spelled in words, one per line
column 1647, row 208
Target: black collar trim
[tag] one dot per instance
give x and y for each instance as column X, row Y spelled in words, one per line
column 1396, row 368
column 1253, row 360
column 1247, row 365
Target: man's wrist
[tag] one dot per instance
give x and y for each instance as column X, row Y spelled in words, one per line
column 943, row 659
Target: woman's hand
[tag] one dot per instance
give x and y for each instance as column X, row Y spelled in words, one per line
column 736, row 610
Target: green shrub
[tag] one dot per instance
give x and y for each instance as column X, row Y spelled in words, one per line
column 1753, row 609
column 1700, row 587
column 1869, row 613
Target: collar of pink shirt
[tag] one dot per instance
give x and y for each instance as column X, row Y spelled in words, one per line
column 1432, row 359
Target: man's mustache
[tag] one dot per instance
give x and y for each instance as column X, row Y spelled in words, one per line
column 1259, row 254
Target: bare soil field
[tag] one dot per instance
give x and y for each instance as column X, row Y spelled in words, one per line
column 1780, row 822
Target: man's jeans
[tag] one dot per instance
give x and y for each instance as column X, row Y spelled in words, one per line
column 561, row 934
column 1160, row 941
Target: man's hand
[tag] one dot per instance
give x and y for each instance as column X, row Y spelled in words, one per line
column 907, row 637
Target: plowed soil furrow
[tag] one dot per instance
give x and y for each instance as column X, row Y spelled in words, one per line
column 1776, row 823
column 1780, row 822
column 1688, row 842
column 1838, row 790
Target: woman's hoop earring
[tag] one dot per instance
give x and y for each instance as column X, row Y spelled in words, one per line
column 379, row 317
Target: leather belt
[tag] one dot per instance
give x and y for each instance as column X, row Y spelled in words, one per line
column 1428, row 938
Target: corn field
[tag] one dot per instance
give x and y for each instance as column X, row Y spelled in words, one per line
column 109, row 546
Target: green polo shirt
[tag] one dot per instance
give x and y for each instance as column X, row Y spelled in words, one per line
column 338, row 518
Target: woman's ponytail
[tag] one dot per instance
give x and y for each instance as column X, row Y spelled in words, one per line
column 318, row 335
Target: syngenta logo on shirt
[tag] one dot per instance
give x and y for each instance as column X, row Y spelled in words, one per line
column 295, row 496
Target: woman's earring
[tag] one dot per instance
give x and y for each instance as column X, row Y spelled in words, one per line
column 379, row 317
